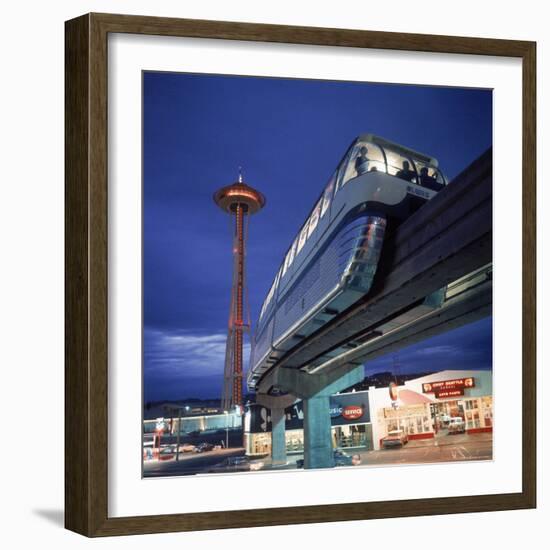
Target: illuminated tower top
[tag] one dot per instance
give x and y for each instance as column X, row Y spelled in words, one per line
column 239, row 193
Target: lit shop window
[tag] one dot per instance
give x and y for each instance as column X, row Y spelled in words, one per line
column 487, row 410
column 471, row 414
column 412, row 419
column 350, row 436
column 294, row 441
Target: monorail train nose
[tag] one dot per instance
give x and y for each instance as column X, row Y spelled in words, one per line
column 362, row 263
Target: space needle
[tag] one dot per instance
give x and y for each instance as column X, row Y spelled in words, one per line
column 239, row 200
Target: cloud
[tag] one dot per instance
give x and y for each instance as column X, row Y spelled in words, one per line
column 466, row 347
column 172, row 354
column 439, row 350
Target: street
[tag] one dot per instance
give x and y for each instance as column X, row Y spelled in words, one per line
column 449, row 448
column 188, row 463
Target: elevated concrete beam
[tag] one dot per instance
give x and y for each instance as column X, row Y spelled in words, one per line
column 467, row 307
column 276, row 401
column 303, row 385
column 479, row 304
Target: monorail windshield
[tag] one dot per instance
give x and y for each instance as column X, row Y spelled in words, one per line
column 368, row 153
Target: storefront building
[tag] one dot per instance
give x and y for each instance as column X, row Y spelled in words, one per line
column 350, row 420
column 190, row 424
column 423, row 407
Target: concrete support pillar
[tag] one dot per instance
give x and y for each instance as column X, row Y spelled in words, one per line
column 277, row 406
column 315, row 391
column 318, row 452
column 278, row 436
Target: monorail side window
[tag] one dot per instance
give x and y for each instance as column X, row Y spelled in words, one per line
column 264, row 307
column 302, row 238
column 314, row 219
column 439, row 177
column 286, row 263
column 348, row 169
column 327, row 196
column 270, row 294
column 400, row 166
column 292, row 251
column 342, row 169
column 263, row 310
column 289, row 257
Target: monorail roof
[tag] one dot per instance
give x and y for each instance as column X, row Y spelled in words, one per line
column 406, row 151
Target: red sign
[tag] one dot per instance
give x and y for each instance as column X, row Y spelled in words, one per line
column 352, row 412
column 449, row 393
column 448, row 388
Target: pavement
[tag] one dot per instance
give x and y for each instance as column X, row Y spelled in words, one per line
column 450, row 448
column 444, row 438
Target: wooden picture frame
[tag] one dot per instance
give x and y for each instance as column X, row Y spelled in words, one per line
column 86, row 363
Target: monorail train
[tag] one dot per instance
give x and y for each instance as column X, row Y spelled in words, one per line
column 332, row 262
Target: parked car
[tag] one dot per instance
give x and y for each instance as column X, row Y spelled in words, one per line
column 187, row 448
column 343, row 459
column 340, row 459
column 236, row 464
column 444, row 420
column 395, row 438
column 167, row 453
column 457, row 425
column 148, row 447
column 203, row 447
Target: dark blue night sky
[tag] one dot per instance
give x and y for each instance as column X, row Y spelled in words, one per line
column 288, row 135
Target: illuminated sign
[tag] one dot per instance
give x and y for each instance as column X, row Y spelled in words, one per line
column 416, row 191
column 450, row 393
column 393, row 391
column 448, row 388
column 160, row 425
column 352, row 412
column 344, row 409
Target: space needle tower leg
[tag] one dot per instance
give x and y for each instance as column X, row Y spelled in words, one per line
column 239, row 322
column 239, row 200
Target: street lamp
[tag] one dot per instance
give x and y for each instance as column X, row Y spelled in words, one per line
column 159, row 428
column 226, row 429
column 178, row 436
